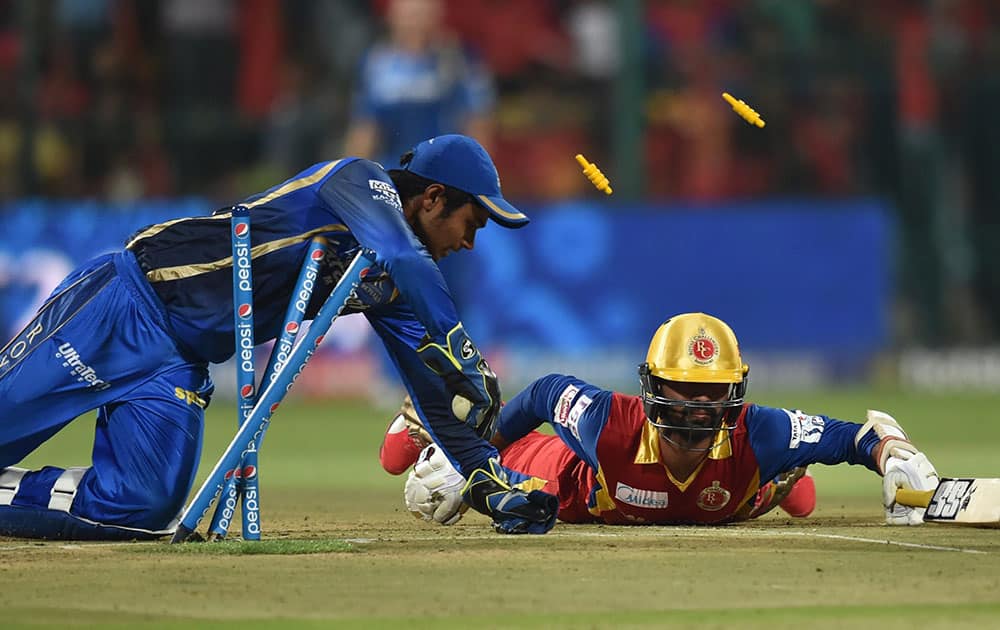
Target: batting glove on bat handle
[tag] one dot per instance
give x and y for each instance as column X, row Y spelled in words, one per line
column 513, row 511
column 467, row 376
column 914, row 472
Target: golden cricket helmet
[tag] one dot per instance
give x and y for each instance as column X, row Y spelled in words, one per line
column 698, row 357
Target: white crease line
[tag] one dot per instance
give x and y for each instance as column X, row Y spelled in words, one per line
column 677, row 532
column 681, row 533
column 747, row 532
column 889, row 542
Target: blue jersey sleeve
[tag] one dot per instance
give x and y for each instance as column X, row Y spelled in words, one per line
column 783, row 439
column 576, row 410
column 364, row 198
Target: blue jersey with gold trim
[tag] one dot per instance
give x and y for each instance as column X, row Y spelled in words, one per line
column 351, row 202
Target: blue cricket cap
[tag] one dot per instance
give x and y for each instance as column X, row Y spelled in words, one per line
column 461, row 162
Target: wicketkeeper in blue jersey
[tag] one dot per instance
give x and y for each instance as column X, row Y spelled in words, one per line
column 131, row 335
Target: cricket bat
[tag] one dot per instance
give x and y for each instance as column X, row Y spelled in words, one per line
column 974, row 502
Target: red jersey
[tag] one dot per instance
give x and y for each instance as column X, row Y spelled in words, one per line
column 604, row 462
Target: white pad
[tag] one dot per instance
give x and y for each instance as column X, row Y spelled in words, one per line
column 10, row 481
column 64, row 489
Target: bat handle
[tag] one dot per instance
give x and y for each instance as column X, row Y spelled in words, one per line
column 914, row 498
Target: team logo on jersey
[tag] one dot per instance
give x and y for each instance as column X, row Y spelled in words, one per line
column 384, row 192
column 714, row 498
column 702, row 348
column 241, row 229
column 640, row 498
column 245, row 310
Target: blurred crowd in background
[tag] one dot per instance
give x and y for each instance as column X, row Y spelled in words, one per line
column 129, row 99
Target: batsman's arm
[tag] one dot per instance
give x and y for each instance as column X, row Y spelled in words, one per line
column 576, row 410
column 783, row 439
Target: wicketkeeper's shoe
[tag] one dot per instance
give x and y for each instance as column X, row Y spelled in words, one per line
column 403, row 441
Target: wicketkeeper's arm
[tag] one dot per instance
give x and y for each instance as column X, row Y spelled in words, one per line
column 364, row 198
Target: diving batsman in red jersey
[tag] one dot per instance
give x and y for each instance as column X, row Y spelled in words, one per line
column 688, row 450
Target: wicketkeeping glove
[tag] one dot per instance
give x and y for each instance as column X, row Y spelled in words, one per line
column 513, row 511
column 472, row 384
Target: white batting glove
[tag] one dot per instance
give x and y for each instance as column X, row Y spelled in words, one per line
column 433, row 490
column 907, row 470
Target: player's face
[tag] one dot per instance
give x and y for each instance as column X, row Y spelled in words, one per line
column 683, row 419
column 443, row 232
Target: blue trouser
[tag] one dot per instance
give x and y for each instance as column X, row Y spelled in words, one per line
column 100, row 342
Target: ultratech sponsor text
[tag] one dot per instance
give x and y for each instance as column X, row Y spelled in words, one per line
column 83, row 372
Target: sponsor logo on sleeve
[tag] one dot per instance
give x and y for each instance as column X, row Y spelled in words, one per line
column 386, row 193
column 573, row 420
column 805, row 428
column 561, row 412
column 638, row 497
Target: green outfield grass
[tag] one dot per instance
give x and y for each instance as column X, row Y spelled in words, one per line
column 340, row 549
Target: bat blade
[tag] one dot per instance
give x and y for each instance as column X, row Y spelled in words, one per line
column 959, row 501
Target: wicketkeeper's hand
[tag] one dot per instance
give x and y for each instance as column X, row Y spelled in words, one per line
column 513, row 511
column 472, row 384
column 433, row 491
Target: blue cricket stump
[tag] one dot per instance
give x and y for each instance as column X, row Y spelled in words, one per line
column 243, row 481
column 246, row 439
column 296, row 311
